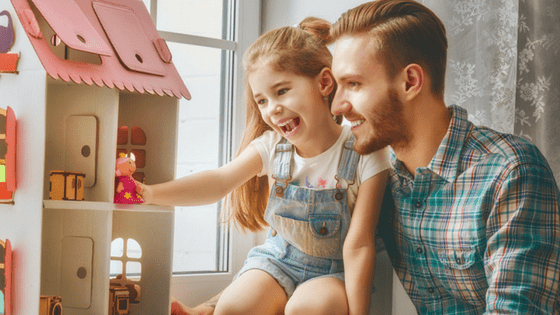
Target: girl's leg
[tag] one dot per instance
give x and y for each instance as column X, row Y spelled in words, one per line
column 206, row 308
column 254, row 292
column 324, row 295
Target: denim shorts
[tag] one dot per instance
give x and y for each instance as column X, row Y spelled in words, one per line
column 288, row 265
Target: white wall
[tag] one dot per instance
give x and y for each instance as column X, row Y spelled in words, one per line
column 390, row 297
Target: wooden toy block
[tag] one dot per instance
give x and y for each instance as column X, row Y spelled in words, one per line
column 66, row 185
column 50, row 305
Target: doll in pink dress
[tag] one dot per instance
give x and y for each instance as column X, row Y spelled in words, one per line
column 126, row 191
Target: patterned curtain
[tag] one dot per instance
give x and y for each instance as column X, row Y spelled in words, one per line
column 504, row 66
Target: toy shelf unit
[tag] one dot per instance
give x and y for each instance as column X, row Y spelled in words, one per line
column 85, row 242
column 101, row 68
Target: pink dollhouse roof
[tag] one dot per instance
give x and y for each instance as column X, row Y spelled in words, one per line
column 121, row 32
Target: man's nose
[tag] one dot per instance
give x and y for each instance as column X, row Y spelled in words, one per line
column 340, row 106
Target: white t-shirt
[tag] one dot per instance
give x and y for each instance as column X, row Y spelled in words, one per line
column 318, row 172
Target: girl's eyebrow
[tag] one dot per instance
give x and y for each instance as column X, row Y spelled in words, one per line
column 273, row 87
column 276, row 85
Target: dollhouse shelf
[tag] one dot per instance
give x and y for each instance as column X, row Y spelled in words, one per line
column 101, row 206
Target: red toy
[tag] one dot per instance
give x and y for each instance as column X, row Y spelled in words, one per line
column 126, row 191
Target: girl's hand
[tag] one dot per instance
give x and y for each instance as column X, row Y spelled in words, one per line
column 145, row 191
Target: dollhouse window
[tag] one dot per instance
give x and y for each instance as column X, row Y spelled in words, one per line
column 126, row 258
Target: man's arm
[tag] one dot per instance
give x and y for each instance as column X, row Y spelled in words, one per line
column 523, row 250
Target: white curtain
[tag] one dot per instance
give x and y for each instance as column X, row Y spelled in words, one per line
column 504, row 66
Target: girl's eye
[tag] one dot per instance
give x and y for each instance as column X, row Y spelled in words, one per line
column 261, row 102
column 282, row 91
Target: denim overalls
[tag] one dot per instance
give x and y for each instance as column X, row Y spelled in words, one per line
column 308, row 226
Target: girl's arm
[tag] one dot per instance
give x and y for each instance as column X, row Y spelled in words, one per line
column 208, row 186
column 359, row 246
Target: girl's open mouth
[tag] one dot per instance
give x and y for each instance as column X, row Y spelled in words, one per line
column 289, row 126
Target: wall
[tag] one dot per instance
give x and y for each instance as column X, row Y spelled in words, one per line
column 390, row 297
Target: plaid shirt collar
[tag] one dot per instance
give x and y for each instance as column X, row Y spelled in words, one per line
column 446, row 160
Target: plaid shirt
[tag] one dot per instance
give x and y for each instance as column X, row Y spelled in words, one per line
column 478, row 230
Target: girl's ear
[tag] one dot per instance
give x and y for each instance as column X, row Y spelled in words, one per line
column 413, row 76
column 326, row 82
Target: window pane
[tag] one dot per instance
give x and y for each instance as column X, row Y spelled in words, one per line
column 133, row 270
column 198, row 149
column 115, row 268
column 193, row 17
column 117, row 247
column 133, row 249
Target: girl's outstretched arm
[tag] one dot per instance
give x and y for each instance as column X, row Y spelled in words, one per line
column 205, row 187
column 359, row 246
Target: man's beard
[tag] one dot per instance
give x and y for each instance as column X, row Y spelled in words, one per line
column 387, row 126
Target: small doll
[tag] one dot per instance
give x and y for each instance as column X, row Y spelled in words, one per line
column 126, row 191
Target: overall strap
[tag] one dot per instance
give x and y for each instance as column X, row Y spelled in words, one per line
column 347, row 166
column 282, row 168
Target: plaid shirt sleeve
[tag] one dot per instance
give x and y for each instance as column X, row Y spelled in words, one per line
column 523, row 230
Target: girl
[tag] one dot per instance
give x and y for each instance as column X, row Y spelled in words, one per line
column 319, row 224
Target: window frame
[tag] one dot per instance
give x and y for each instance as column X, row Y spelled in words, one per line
column 195, row 288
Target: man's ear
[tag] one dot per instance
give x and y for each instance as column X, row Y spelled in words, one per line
column 326, row 82
column 413, row 76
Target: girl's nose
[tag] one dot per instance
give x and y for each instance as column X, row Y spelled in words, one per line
column 275, row 109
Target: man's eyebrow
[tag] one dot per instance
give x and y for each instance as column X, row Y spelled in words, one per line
column 348, row 77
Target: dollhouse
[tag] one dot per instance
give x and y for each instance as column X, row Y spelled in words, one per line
column 92, row 78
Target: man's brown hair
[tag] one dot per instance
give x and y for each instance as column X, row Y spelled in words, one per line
column 405, row 32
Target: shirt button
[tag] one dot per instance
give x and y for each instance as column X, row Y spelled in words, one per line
column 419, row 204
column 458, row 260
column 419, row 250
column 431, row 290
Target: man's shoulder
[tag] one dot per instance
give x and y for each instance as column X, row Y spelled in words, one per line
column 485, row 144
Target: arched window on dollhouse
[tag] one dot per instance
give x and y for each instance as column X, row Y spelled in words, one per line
column 126, row 259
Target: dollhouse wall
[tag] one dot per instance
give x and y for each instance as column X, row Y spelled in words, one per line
column 21, row 222
column 69, row 99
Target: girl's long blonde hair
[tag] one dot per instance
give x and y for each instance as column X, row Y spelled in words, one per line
column 301, row 50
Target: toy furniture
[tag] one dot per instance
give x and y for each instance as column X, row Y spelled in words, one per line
column 86, row 69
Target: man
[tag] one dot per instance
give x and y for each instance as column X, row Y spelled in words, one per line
column 475, row 226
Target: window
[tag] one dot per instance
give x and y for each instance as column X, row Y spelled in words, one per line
column 203, row 134
column 207, row 40
column 126, row 259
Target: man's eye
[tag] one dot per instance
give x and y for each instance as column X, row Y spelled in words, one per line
column 282, row 91
column 353, row 84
